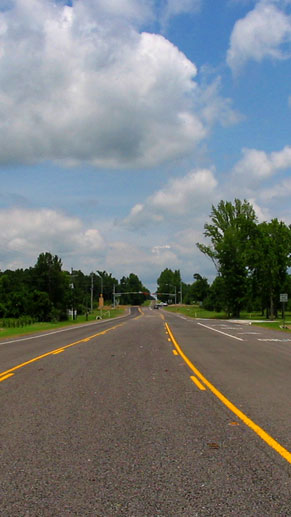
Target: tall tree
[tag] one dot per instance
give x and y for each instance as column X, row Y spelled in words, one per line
column 199, row 288
column 269, row 259
column 231, row 229
column 136, row 292
column 105, row 281
column 48, row 277
column 169, row 284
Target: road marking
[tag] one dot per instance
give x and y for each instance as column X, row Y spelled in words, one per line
column 52, row 352
column 175, row 352
column 275, row 340
column 257, row 429
column 51, row 333
column 249, row 333
column 59, row 351
column 2, row 378
column 198, row 383
column 220, row 331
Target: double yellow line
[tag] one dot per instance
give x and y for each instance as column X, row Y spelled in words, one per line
column 9, row 373
column 257, row 429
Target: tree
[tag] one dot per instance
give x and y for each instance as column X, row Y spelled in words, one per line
column 48, row 277
column 133, row 285
column 199, row 288
column 169, row 283
column 230, row 232
column 269, row 259
column 215, row 300
column 108, row 281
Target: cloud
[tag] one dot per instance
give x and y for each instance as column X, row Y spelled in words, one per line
column 26, row 233
column 78, row 84
column 279, row 191
column 173, row 8
column 263, row 33
column 262, row 213
column 179, row 198
column 256, row 166
column 81, row 84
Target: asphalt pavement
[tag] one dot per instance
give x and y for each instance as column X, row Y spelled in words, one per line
column 109, row 419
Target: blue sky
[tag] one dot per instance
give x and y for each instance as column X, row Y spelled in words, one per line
column 122, row 122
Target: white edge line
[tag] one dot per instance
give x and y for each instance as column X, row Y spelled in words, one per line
column 220, row 332
column 65, row 329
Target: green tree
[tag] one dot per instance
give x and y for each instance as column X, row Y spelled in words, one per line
column 108, row 281
column 168, row 285
column 269, row 259
column 132, row 284
column 48, row 277
column 230, row 231
column 200, row 288
column 215, row 300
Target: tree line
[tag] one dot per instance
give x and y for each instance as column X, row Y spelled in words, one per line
column 47, row 292
column 252, row 261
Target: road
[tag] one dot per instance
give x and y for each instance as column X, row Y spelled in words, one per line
column 148, row 415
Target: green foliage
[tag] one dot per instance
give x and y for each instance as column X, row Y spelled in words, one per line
column 132, row 284
column 252, row 259
column 45, row 292
column 169, row 283
column 269, row 259
column 230, row 232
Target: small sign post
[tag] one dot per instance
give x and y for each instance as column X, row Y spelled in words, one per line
column 283, row 300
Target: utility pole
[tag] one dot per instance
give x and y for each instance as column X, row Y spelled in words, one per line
column 181, row 294
column 113, row 296
column 92, row 290
column 73, row 294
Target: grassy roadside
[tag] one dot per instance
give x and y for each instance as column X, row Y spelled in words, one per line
column 195, row 311
column 42, row 326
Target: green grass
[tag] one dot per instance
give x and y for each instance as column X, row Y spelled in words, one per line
column 42, row 326
column 275, row 325
column 195, row 311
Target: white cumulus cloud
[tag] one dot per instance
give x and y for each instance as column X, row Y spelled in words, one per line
column 81, row 84
column 172, row 8
column 257, row 165
column 179, row 198
column 263, row 33
column 26, row 233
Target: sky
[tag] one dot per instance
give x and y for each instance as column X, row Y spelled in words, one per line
column 123, row 121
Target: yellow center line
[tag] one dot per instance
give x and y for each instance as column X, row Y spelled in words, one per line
column 175, row 352
column 198, row 383
column 57, row 350
column 6, row 376
column 257, row 429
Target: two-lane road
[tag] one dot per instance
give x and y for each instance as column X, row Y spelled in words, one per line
column 108, row 419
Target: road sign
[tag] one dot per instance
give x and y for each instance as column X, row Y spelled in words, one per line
column 284, row 297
